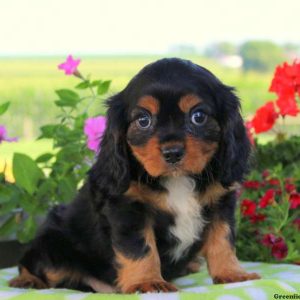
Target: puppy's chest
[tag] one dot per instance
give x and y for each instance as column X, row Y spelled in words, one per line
column 186, row 209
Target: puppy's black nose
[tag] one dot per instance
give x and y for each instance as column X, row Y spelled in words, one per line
column 173, row 154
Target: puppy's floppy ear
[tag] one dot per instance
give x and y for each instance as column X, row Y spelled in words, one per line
column 235, row 147
column 110, row 173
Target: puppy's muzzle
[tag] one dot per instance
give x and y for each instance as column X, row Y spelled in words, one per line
column 173, row 154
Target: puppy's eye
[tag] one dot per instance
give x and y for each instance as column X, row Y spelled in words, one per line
column 198, row 117
column 144, row 121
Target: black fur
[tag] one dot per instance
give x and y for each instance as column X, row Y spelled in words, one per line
column 83, row 235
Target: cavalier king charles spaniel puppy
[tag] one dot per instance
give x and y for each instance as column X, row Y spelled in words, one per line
column 161, row 193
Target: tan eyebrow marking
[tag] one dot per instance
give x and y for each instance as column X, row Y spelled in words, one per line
column 187, row 102
column 150, row 103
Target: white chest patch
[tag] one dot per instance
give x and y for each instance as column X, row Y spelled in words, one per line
column 188, row 221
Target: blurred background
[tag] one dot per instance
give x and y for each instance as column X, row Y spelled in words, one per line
column 240, row 41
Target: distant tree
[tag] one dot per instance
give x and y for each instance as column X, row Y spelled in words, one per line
column 261, row 55
column 221, row 49
column 183, row 49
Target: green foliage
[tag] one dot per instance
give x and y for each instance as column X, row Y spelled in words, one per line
column 221, row 49
column 4, row 107
column 26, row 172
column 278, row 218
column 285, row 152
column 53, row 177
column 261, row 55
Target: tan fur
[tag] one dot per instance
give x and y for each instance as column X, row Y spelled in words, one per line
column 144, row 194
column 149, row 103
column 140, row 274
column 214, row 192
column 150, row 157
column 187, row 102
column 198, row 154
column 222, row 262
column 56, row 276
column 27, row 280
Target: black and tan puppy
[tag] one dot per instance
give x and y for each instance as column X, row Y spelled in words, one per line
column 161, row 193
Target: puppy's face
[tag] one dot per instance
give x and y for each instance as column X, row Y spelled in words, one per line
column 172, row 134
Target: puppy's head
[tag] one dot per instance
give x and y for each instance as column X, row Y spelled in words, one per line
column 174, row 118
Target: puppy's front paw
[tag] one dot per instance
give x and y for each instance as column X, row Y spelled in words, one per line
column 151, row 287
column 235, row 277
column 27, row 282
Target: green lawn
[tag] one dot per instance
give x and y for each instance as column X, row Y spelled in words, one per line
column 30, row 83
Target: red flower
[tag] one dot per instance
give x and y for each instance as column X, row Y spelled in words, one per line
column 248, row 207
column 264, row 118
column 265, row 174
column 279, row 249
column 274, row 181
column 251, row 184
column 287, row 105
column 294, row 200
column 297, row 223
column 285, row 84
column 290, row 188
column 257, row 218
column 267, row 198
column 268, row 240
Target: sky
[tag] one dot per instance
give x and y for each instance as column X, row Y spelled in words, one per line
column 51, row 27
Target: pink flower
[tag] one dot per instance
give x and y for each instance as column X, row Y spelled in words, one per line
column 93, row 129
column 4, row 137
column 70, row 65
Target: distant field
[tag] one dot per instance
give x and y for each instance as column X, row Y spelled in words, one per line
column 30, row 83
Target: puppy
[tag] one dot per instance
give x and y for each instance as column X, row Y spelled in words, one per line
column 160, row 195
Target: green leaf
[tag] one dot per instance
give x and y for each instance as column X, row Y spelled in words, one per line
column 44, row 157
column 83, row 85
column 8, row 226
column 4, row 107
column 67, row 189
column 67, row 94
column 68, row 98
column 45, row 190
column 5, row 194
column 28, row 230
column 95, row 83
column 103, row 87
column 26, row 172
column 79, row 121
column 48, row 131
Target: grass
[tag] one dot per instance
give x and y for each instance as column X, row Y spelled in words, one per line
column 30, row 84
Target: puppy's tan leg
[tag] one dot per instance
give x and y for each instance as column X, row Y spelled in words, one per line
column 142, row 274
column 222, row 262
column 27, row 280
